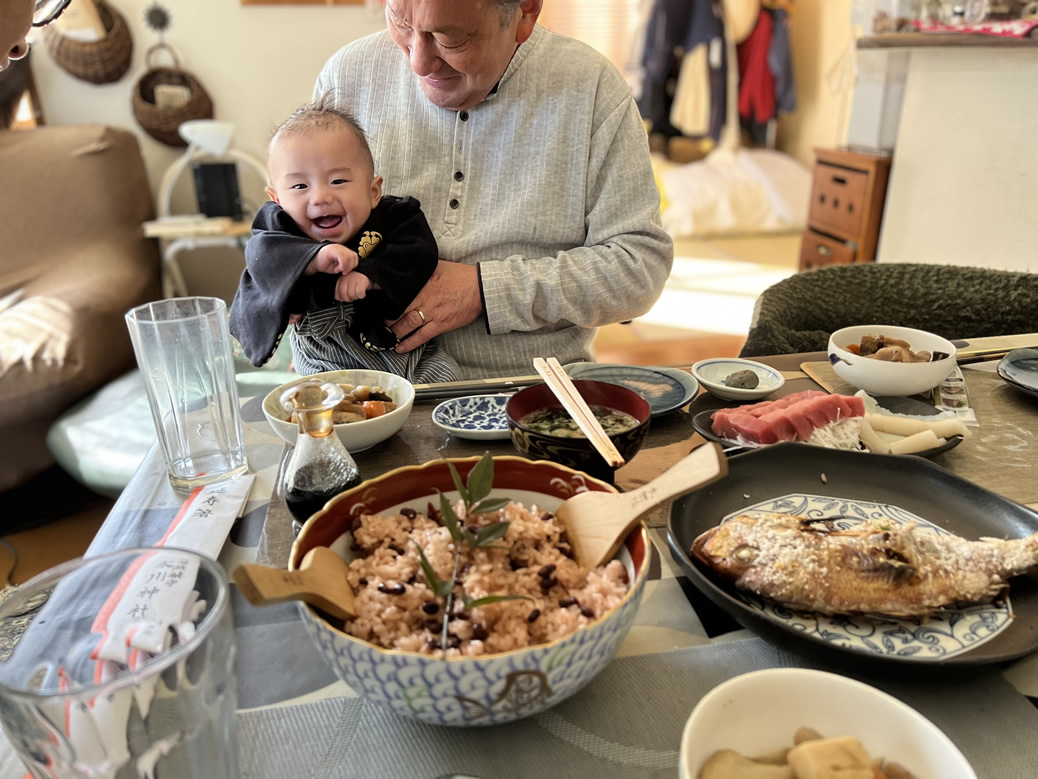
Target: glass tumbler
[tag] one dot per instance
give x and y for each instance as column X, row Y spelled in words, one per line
column 183, row 349
column 120, row 665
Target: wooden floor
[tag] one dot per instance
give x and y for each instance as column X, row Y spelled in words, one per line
column 47, row 521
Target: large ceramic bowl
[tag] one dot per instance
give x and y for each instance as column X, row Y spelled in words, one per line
column 578, row 452
column 757, row 713
column 464, row 691
column 885, row 379
column 355, row 436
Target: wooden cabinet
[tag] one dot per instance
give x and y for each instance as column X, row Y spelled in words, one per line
column 847, row 193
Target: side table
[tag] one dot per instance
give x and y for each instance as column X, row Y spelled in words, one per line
column 847, row 195
column 190, row 233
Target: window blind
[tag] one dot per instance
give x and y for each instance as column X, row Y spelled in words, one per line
column 607, row 25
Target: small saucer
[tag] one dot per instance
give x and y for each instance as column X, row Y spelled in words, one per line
column 1020, row 369
column 479, row 417
column 711, row 374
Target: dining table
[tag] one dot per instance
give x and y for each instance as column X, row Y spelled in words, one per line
column 296, row 718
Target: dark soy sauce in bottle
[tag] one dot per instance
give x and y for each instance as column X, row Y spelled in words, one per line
column 304, row 503
column 319, row 467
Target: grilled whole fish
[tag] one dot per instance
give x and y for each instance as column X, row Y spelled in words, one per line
column 876, row 568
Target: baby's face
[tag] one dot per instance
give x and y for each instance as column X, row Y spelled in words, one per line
column 323, row 180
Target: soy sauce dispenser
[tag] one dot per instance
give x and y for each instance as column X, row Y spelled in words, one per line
column 319, row 467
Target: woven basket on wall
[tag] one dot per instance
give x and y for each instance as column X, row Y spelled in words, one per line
column 99, row 62
column 162, row 123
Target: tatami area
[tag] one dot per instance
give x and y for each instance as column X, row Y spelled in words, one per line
column 704, row 311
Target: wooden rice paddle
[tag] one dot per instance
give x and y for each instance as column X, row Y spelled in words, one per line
column 598, row 522
column 320, row 581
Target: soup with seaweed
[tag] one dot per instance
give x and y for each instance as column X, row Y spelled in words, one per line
column 557, row 422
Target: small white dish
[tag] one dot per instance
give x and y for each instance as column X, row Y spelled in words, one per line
column 479, row 417
column 757, row 713
column 711, row 374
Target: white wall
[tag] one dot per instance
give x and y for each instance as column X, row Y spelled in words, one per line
column 964, row 181
column 256, row 62
column 822, row 41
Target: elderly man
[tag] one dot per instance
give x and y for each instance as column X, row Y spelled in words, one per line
column 16, row 17
column 530, row 160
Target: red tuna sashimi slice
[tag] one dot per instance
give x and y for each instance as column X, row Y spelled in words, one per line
column 795, row 421
column 720, row 422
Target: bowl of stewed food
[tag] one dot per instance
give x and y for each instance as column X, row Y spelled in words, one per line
column 374, row 407
column 543, row 430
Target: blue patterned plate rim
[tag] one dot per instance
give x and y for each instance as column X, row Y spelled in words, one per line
column 665, row 389
column 1020, row 368
column 473, row 416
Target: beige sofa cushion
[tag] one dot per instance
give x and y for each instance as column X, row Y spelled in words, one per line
column 74, row 259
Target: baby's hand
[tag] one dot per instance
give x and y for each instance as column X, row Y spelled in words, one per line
column 333, row 258
column 352, row 286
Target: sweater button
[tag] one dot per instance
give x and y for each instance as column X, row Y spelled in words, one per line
column 458, row 175
column 464, row 116
column 454, row 203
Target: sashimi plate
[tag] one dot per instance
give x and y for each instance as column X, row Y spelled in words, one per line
column 702, row 424
column 847, row 488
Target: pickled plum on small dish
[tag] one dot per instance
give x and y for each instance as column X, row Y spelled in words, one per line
column 742, row 380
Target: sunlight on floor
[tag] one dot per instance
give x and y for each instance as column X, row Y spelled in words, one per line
column 713, row 296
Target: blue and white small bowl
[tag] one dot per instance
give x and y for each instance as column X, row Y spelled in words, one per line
column 712, row 373
column 480, row 417
column 469, row 691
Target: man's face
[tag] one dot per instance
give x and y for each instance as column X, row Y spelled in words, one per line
column 458, row 48
column 324, row 181
column 15, row 21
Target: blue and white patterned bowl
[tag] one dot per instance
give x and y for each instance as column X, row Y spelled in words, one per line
column 469, row 691
column 481, row 417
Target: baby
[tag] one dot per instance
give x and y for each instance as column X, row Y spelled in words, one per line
column 334, row 256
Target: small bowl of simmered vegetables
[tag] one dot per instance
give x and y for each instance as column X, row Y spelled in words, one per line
column 374, row 407
column 798, row 723
column 541, row 429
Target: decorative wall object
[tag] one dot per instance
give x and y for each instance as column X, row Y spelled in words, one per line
column 99, row 62
column 167, row 96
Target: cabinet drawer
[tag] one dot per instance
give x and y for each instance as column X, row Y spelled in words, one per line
column 817, row 251
column 838, row 200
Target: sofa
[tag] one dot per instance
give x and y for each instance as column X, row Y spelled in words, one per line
column 73, row 261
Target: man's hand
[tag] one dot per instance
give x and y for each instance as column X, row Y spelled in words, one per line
column 333, row 258
column 448, row 301
column 352, row 286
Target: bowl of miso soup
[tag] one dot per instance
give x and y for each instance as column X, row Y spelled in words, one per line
column 543, row 430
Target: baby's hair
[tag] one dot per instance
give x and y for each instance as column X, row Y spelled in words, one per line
column 322, row 114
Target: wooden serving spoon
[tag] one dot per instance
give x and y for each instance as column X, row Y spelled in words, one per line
column 598, row 522
column 320, row 581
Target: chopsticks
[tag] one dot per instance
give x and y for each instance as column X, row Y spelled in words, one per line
column 559, row 382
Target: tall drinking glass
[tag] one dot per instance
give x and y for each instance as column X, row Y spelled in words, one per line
column 122, row 665
column 183, row 349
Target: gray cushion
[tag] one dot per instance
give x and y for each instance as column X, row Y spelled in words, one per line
column 799, row 313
